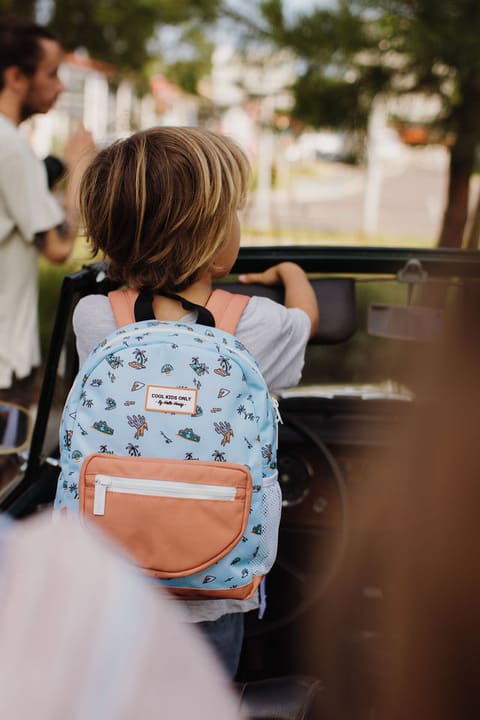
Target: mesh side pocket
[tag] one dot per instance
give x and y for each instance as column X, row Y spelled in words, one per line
column 271, row 511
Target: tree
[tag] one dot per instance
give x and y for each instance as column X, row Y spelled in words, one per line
column 123, row 33
column 192, row 58
column 356, row 49
column 24, row 8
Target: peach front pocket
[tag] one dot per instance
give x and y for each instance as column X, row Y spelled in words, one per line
column 174, row 517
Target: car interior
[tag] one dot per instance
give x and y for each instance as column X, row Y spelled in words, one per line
column 374, row 304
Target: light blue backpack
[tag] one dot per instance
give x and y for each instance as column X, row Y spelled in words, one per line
column 168, row 444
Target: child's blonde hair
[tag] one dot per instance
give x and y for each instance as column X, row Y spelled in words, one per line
column 160, row 204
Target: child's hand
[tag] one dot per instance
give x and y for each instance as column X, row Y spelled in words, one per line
column 271, row 276
column 298, row 291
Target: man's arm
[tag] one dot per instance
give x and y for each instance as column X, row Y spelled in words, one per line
column 56, row 244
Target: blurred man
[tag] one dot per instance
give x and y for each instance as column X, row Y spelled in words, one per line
column 31, row 220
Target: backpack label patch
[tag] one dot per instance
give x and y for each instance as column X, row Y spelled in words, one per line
column 171, row 399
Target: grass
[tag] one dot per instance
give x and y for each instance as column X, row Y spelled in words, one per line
column 50, row 281
column 286, row 236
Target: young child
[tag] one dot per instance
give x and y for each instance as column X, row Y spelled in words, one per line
column 162, row 207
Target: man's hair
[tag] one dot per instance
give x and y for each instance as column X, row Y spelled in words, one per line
column 161, row 203
column 20, row 45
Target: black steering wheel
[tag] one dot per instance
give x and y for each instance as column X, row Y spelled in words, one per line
column 296, row 583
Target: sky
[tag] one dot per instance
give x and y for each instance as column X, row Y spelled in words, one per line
column 293, row 6
column 44, row 7
column 172, row 50
column 304, row 4
column 290, row 6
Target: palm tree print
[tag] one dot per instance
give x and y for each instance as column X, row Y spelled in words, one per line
column 219, row 456
column 140, row 359
column 267, row 452
column 224, row 366
column 133, row 450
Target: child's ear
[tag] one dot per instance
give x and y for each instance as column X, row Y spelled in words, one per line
column 225, row 258
column 218, row 271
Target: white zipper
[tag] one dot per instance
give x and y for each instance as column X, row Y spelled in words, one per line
column 156, row 488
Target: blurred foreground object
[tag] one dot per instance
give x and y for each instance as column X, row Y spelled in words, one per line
column 416, row 551
column 91, row 638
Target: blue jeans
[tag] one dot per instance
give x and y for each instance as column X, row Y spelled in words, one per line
column 226, row 637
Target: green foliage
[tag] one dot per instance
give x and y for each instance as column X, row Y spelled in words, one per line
column 50, row 281
column 437, row 42
column 272, row 14
column 354, row 50
column 330, row 37
column 334, row 87
column 123, row 32
column 188, row 70
column 23, row 8
column 336, row 102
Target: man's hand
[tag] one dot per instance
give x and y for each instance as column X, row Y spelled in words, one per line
column 79, row 147
column 79, row 151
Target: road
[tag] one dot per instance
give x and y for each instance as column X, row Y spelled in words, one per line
column 331, row 201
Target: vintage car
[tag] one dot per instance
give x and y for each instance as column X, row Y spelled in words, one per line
column 351, row 400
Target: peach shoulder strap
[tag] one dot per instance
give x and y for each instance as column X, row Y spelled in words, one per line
column 226, row 307
column 123, row 305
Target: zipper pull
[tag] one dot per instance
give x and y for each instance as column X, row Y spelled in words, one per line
column 277, row 409
column 278, row 417
column 101, row 484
